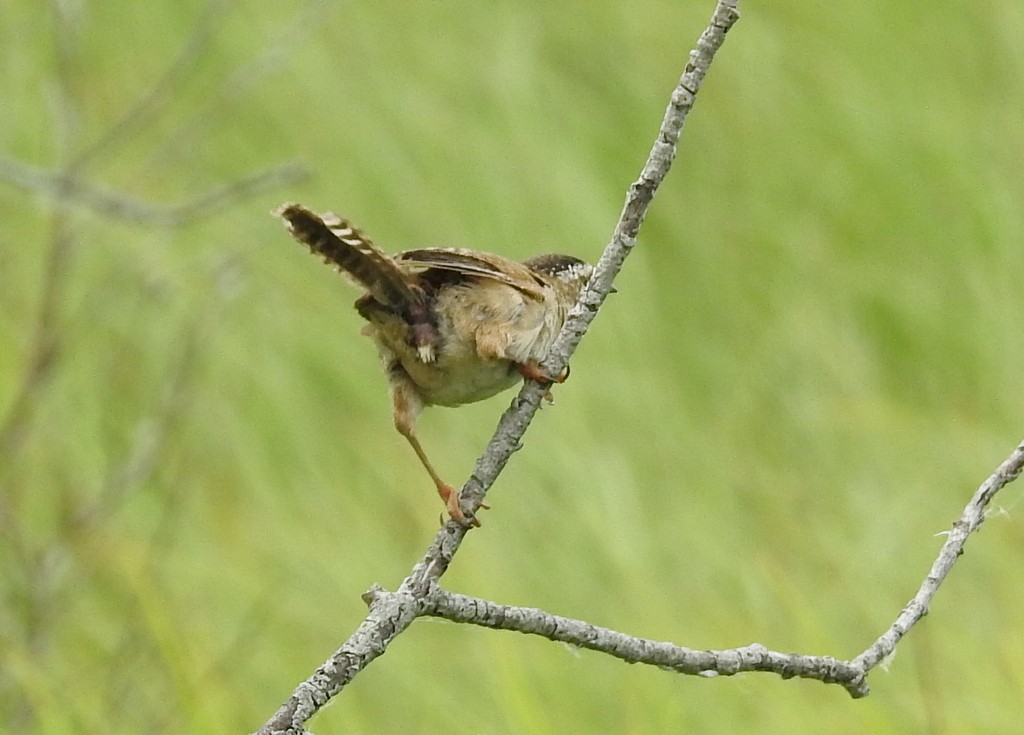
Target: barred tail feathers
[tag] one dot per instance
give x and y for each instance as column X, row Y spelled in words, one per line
column 339, row 243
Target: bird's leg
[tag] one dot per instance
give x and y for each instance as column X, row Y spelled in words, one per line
column 493, row 344
column 407, row 408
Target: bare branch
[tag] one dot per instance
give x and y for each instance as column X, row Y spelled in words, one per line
column 515, row 421
column 754, row 657
column 642, row 191
column 391, row 614
column 397, row 610
column 971, row 520
column 851, row 675
column 420, row 593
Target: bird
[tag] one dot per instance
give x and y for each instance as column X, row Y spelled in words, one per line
column 452, row 325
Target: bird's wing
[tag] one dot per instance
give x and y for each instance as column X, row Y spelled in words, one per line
column 476, row 264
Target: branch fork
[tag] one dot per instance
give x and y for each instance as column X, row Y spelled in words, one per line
column 420, row 594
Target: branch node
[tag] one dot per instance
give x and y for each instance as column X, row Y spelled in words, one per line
column 373, row 594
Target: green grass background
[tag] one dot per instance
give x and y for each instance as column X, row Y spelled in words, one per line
column 814, row 358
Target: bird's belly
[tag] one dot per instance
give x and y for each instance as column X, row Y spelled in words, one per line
column 461, row 382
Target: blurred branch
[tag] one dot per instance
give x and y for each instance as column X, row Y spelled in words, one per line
column 274, row 54
column 41, row 359
column 38, row 566
column 44, row 348
column 45, row 344
column 149, row 440
column 136, row 117
column 47, row 565
column 66, row 188
column 393, row 613
column 66, row 185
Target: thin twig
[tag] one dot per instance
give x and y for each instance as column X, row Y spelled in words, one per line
column 969, row 522
column 392, row 614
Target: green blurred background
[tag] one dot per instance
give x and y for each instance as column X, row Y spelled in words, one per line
column 814, row 358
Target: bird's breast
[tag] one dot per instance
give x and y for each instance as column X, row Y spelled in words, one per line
column 452, row 383
column 485, row 329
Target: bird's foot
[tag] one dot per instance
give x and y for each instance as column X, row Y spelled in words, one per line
column 531, row 371
column 451, row 498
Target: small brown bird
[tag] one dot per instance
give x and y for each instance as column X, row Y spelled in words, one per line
column 452, row 326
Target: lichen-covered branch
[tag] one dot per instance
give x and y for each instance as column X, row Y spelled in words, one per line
column 754, row 657
column 391, row 614
column 851, row 675
column 421, row 595
column 642, row 191
column 513, row 424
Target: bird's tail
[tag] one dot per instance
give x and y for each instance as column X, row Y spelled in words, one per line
column 339, row 243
